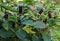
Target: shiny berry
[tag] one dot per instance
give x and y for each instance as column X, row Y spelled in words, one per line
column 49, row 14
column 41, row 11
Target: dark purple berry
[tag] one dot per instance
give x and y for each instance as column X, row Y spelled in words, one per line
column 42, row 10
column 49, row 14
column 6, row 15
column 20, row 9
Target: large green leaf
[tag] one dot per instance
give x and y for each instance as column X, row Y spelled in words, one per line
column 29, row 22
column 21, row 34
column 40, row 24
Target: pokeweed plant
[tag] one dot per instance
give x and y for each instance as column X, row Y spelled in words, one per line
column 26, row 23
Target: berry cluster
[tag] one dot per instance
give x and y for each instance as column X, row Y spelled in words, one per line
column 42, row 10
column 49, row 14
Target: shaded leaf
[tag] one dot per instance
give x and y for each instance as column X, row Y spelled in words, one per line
column 5, row 34
column 21, row 34
column 35, row 38
column 6, row 25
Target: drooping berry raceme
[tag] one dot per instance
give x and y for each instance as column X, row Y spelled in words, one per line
column 6, row 15
column 49, row 14
column 42, row 10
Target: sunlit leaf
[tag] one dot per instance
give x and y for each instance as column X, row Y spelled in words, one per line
column 29, row 22
column 40, row 24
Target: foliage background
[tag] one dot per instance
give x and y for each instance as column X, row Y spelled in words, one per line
column 55, row 30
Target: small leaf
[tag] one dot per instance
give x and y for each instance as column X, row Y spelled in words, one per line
column 28, row 30
column 51, row 22
column 35, row 38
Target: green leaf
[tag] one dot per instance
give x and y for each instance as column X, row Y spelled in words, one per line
column 4, row 33
column 29, row 2
column 51, row 22
column 35, row 38
column 46, row 37
column 21, row 34
column 6, row 25
column 28, row 22
column 40, row 24
column 8, row 7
